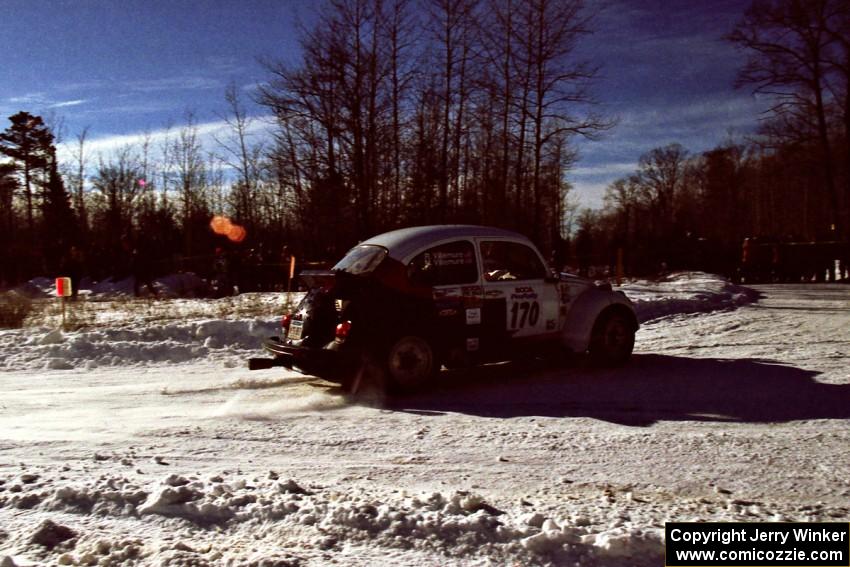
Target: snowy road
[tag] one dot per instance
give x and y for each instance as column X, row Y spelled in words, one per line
column 738, row 415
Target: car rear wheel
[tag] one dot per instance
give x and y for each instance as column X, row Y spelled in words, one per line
column 410, row 362
column 612, row 340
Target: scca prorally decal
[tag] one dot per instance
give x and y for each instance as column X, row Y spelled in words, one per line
column 530, row 295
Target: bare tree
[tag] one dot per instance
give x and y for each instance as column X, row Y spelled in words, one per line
column 660, row 176
column 838, row 28
column 79, row 184
column 789, row 45
column 497, row 41
column 319, row 107
column 189, row 169
column 558, row 82
column 622, row 196
column 622, row 199
column 366, row 141
column 400, row 39
column 147, row 182
column 451, row 27
column 116, row 185
column 190, row 177
column 244, row 156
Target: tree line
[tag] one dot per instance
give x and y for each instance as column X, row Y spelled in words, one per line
column 404, row 112
column 397, row 113
column 438, row 112
column 790, row 182
column 683, row 210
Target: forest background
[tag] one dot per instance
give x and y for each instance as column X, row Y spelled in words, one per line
column 405, row 112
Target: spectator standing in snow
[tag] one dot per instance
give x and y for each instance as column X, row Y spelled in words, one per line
column 220, row 273
column 142, row 263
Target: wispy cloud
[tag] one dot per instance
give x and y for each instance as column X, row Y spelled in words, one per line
column 143, row 96
column 67, row 103
column 39, row 100
column 698, row 125
column 174, row 83
column 207, row 134
column 588, row 194
column 89, row 84
column 606, row 169
column 589, row 182
column 149, row 106
column 29, row 98
column 734, row 109
column 224, row 64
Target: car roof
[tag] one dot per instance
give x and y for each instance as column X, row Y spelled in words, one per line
column 406, row 241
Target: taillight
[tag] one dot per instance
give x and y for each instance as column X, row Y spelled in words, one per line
column 284, row 323
column 342, row 330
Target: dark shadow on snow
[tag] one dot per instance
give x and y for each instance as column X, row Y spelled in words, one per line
column 650, row 388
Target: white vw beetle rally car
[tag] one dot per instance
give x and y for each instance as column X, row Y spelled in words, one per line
column 412, row 300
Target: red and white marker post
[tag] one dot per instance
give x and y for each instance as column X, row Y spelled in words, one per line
column 63, row 291
column 289, row 281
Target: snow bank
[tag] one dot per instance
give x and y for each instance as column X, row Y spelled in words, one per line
column 185, row 284
column 685, row 292
column 457, row 525
column 180, row 285
column 173, row 342
column 37, row 287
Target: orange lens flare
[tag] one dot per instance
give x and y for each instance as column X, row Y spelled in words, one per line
column 222, row 225
column 236, row 233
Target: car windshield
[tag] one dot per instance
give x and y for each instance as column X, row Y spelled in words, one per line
column 362, row 259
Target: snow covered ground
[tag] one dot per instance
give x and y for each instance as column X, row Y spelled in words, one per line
column 149, row 443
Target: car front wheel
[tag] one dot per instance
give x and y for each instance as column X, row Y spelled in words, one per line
column 612, row 340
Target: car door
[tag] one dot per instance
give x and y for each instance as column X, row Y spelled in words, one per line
column 520, row 300
column 450, row 270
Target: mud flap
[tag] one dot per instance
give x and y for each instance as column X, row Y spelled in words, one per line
column 265, row 363
column 368, row 375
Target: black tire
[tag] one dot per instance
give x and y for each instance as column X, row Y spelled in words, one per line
column 409, row 362
column 612, row 339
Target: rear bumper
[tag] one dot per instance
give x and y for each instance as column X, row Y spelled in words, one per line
column 331, row 364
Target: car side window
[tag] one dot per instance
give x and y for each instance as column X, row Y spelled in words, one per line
column 503, row 261
column 447, row 264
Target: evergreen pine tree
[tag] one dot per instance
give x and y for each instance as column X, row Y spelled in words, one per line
column 29, row 143
column 59, row 228
column 8, row 186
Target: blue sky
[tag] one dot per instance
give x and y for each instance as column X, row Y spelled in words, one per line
column 122, row 68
